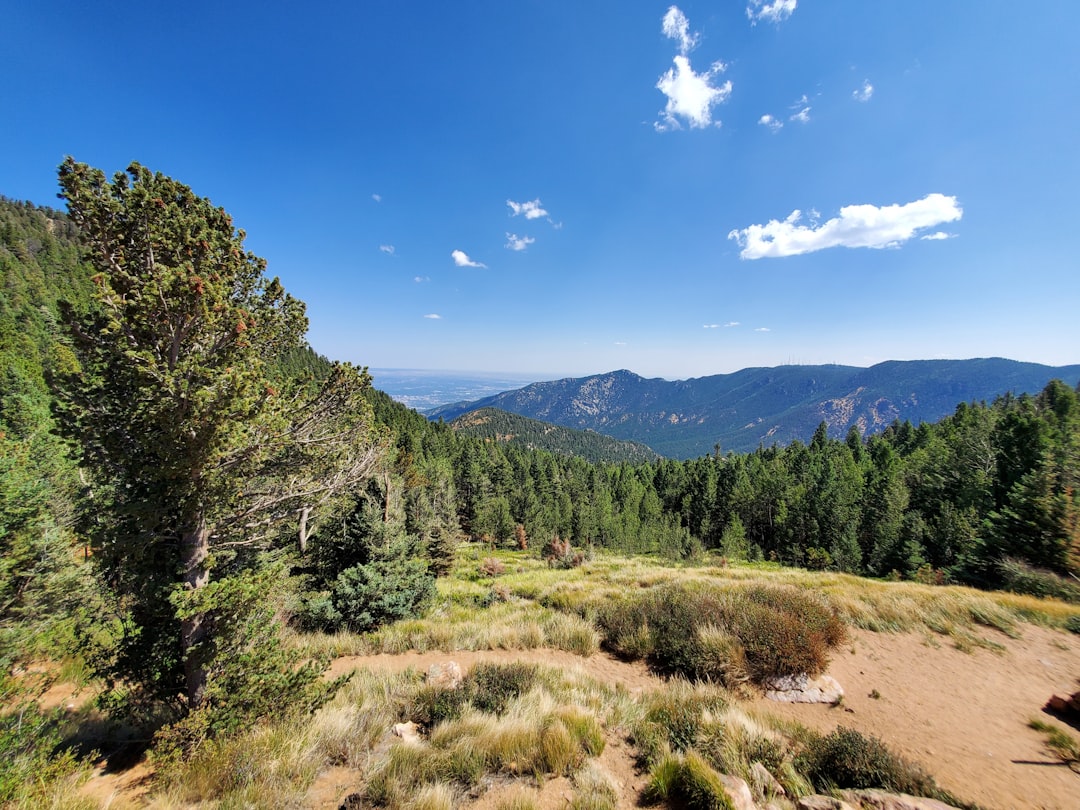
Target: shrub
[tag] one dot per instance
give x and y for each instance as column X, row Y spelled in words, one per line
column 727, row 636
column 490, row 687
column 432, row 705
column 560, row 554
column 28, row 766
column 492, row 567
column 367, row 596
column 1019, row 577
column 847, row 759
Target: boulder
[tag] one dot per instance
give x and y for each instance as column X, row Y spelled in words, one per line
column 764, row 783
column 738, row 792
column 448, row 675
column 880, row 800
column 409, row 733
column 818, row 802
column 804, row 689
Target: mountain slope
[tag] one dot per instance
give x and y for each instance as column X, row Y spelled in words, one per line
column 511, row 428
column 740, row 411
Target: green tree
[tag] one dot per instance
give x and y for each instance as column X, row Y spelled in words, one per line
column 197, row 453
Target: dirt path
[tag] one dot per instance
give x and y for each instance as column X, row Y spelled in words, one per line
column 962, row 716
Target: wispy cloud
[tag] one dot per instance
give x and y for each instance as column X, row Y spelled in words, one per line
column 711, row 326
column 774, row 124
column 763, row 329
column 530, row 210
column 620, row 342
column 730, row 324
column 863, row 93
column 677, row 26
column 518, row 243
column 377, row 197
column 387, row 249
column 802, row 116
column 421, row 279
column 776, row 11
column 857, row 226
column 691, row 96
column 461, row 259
column 434, row 317
column 938, row 235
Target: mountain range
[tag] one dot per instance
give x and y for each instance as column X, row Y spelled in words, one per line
column 762, row 406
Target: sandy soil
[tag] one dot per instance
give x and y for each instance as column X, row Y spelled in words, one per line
column 962, row 715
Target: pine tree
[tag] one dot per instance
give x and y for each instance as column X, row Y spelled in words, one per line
column 195, row 450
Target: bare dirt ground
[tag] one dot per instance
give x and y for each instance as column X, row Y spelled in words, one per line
column 962, row 715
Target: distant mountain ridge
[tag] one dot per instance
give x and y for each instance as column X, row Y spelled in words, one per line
column 754, row 406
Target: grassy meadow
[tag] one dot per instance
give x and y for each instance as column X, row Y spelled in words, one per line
column 518, row 723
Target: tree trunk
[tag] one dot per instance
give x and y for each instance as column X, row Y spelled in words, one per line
column 304, row 513
column 194, row 549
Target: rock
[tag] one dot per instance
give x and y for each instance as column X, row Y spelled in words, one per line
column 880, row 800
column 409, row 733
column 822, row 803
column 738, row 792
column 447, row 675
column 804, row 689
column 764, row 783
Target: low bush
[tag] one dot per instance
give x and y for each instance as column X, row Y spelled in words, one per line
column 491, row 687
column 847, row 759
column 724, row 635
column 1019, row 577
column 492, row 567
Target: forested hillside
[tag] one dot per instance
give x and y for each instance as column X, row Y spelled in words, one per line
column 510, row 428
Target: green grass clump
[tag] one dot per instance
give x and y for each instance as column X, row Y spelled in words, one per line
column 847, row 759
column 687, row 780
column 1062, row 744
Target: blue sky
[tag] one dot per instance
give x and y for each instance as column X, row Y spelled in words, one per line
column 558, row 188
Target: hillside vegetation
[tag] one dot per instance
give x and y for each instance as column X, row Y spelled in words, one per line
column 197, row 512
column 531, row 434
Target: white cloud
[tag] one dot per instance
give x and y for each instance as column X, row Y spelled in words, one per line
column 777, row 11
column 461, row 259
column 377, row 197
column 802, row 116
column 729, row 324
column 531, row 210
column 421, row 279
column 863, row 93
column 711, row 326
column 772, row 123
column 388, row 249
column 933, row 237
column 620, row 342
column 690, row 95
column 677, row 26
column 434, row 317
column 763, row 329
column 515, row 242
column 857, row 226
